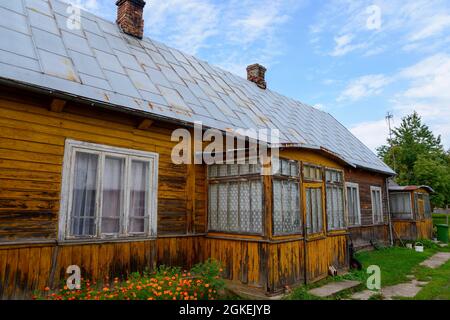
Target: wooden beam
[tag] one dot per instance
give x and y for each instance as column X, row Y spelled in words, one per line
column 57, row 105
column 145, row 124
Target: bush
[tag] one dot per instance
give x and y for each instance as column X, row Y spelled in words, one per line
column 166, row 283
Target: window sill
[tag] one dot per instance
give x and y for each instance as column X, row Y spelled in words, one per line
column 289, row 237
column 315, row 237
column 332, row 233
column 104, row 240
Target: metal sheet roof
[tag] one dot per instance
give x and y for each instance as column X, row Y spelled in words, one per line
column 100, row 63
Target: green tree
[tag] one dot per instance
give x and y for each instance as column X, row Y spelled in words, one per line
column 418, row 157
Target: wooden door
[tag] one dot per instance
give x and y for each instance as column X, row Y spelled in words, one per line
column 315, row 236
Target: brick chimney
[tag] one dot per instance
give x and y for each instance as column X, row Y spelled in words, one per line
column 130, row 17
column 257, row 73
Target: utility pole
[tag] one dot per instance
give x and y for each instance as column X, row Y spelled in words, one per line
column 389, row 117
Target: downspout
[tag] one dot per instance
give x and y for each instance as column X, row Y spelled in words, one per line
column 389, row 213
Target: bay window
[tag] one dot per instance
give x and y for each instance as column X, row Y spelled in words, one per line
column 107, row 192
column 235, row 198
column 286, row 199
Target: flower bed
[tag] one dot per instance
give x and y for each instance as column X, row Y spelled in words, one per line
column 202, row 282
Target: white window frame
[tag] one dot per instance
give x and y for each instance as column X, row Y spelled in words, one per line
column 373, row 188
column 355, row 186
column 74, row 146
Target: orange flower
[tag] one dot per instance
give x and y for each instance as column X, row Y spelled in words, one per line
column 105, row 289
column 206, row 285
column 47, row 289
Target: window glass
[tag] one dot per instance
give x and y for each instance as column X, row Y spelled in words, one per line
column 84, row 194
column 112, row 195
column 138, row 195
column 335, row 200
column 353, row 205
column 314, row 219
column 312, row 173
column 235, row 198
column 377, row 206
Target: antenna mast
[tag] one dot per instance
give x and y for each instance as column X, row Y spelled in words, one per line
column 389, row 117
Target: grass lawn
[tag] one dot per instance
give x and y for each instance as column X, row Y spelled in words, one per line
column 439, row 287
column 395, row 264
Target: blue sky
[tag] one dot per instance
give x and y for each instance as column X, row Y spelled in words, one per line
column 355, row 59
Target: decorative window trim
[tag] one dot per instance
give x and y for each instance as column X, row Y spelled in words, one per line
column 355, row 186
column 374, row 188
column 71, row 147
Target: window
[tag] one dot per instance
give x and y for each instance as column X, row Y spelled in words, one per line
column 335, row 199
column 314, row 217
column 353, row 204
column 108, row 192
column 422, row 205
column 377, row 205
column 286, row 199
column 426, row 199
column 235, row 198
column 400, row 205
column 312, row 173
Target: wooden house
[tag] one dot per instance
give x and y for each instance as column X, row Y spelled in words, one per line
column 87, row 177
column 411, row 212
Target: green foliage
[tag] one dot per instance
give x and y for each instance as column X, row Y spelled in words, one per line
column 419, row 158
column 203, row 282
column 209, row 271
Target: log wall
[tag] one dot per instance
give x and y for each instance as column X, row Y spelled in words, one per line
column 362, row 235
column 32, row 142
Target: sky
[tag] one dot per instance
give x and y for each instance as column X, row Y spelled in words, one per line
column 354, row 59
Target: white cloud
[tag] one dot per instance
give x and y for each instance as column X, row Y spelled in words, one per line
column 427, row 91
column 344, row 45
column 186, row 24
column 365, row 86
column 372, row 133
column 434, row 26
column 408, row 25
column 235, row 32
column 319, row 106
